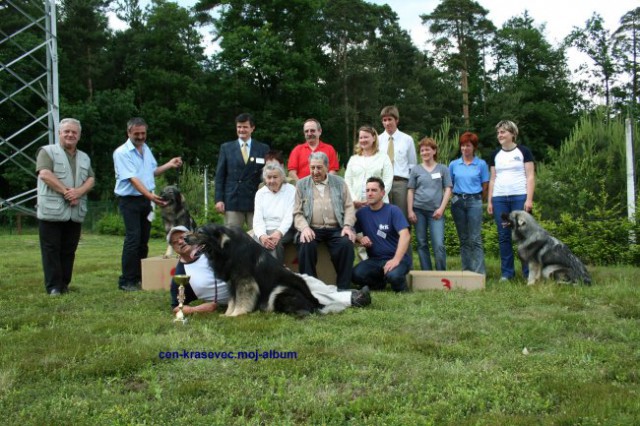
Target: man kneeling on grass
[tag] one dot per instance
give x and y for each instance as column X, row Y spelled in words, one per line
column 385, row 235
column 204, row 285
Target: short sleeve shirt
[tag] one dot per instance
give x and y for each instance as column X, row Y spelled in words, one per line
column 511, row 178
column 45, row 162
column 468, row 178
column 383, row 229
column 128, row 163
column 299, row 158
column 429, row 186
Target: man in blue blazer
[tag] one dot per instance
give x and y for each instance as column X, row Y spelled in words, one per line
column 239, row 173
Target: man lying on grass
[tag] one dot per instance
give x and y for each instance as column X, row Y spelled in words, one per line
column 203, row 284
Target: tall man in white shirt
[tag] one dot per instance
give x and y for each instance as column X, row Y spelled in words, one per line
column 401, row 150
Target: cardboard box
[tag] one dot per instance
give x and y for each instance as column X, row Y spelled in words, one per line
column 324, row 267
column 157, row 272
column 445, row 280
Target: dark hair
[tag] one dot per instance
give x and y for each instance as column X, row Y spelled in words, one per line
column 377, row 180
column 468, row 137
column 274, row 154
column 136, row 121
column 245, row 116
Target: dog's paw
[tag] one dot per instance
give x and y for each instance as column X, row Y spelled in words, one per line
column 237, row 313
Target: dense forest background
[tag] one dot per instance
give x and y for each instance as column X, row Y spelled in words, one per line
column 339, row 61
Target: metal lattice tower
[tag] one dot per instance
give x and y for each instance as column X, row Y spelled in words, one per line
column 28, row 92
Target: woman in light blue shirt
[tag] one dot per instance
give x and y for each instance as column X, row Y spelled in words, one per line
column 470, row 176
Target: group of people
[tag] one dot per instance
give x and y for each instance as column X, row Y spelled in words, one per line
column 384, row 191
column 322, row 207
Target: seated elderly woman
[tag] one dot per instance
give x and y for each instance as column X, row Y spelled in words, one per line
column 273, row 214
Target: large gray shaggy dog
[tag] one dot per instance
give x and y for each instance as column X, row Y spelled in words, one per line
column 175, row 213
column 546, row 256
column 256, row 280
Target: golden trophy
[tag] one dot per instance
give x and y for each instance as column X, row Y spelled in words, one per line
column 181, row 280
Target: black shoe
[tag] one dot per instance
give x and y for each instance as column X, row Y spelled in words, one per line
column 64, row 290
column 55, row 292
column 361, row 298
column 130, row 287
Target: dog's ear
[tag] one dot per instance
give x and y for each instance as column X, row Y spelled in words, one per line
column 180, row 200
column 217, row 233
column 224, row 239
column 521, row 220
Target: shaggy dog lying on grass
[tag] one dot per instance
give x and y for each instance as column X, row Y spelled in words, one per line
column 256, row 279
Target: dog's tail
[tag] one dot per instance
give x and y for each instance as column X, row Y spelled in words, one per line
column 291, row 301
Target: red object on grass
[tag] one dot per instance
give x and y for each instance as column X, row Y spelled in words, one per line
column 446, row 283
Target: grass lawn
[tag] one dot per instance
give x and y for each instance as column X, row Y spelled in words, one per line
column 93, row 356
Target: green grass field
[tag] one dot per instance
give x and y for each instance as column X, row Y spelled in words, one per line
column 441, row 358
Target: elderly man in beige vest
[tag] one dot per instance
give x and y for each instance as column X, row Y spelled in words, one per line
column 65, row 177
column 324, row 212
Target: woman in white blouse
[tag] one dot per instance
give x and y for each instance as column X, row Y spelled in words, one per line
column 368, row 161
column 273, row 215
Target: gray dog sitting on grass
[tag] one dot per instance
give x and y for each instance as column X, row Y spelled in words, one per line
column 546, row 256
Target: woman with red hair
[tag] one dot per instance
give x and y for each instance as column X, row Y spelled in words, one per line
column 470, row 176
column 429, row 192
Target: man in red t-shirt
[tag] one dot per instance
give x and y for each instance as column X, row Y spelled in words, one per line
column 299, row 159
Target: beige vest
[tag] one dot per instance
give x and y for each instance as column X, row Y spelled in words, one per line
column 51, row 204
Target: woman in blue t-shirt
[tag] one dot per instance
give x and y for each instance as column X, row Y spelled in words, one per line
column 470, row 176
column 511, row 187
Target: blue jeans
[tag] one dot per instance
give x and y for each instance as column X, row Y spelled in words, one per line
column 507, row 204
column 436, row 232
column 370, row 272
column 467, row 215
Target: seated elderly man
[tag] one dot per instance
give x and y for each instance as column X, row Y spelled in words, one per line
column 324, row 212
column 203, row 284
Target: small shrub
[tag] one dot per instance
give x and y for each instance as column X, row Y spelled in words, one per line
column 596, row 241
column 110, row 224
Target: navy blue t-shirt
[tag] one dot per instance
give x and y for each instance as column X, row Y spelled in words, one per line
column 382, row 227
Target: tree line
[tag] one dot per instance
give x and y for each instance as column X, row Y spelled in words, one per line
column 339, row 61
